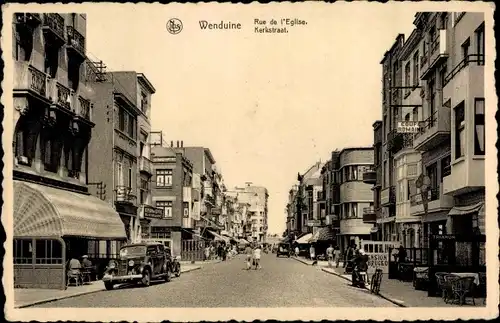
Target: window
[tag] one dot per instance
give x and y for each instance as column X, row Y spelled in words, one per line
column 167, row 208
column 480, row 45
column 386, row 175
column 48, row 252
column 401, row 191
column 442, row 76
column 445, row 166
column 407, row 77
column 144, row 102
column 119, row 170
column 73, row 74
column 354, row 207
column 432, row 102
column 431, row 171
column 410, row 189
column 24, row 47
column 164, row 177
column 412, row 169
column 459, row 130
column 132, row 124
column 415, row 114
column 479, row 130
column 407, row 117
column 121, row 119
column 465, row 50
column 354, row 173
column 130, row 177
column 23, row 251
column 416, row 71
column 185, row 208
column 51, row 60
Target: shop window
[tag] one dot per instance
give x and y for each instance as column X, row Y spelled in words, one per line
column 48, row 252
column 23, row 251
column 459, row 130
column 479, row 130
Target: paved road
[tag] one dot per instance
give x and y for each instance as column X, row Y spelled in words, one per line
column 283, row 282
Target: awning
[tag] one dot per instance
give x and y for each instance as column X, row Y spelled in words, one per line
column 243, row 241
column 478, row 208
column 42, row 211
column 323, row 234
column 374, row 230
column 304, row 239
column 218, row 237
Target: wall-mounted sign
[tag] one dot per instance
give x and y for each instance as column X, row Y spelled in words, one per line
column 168, row 159
column 408, row 127
column 313, row 223
column 153, row 212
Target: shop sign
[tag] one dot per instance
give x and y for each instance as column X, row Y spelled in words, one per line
column 169, row 159
column 313, row 223
column 153, row 212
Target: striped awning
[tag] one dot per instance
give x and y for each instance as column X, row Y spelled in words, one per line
column 218, row 237
column 478, row 208
column 43, row 211
column 323, row 234
column 304, row 239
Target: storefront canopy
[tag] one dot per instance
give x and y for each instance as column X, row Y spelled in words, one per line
column 471, row 209
column 218, row 237
column 323, row 234
column 42, row 211
column 304, row 239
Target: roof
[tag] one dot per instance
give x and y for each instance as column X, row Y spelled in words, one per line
column 139, row 244
column 143, row 79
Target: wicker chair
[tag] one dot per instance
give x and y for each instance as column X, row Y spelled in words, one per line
column 448, row 281
column 462, row 287
column 441, row 284
column 74, row 275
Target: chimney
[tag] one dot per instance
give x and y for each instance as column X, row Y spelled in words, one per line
column 182, row 143
column 171, row 144
column 177, row 143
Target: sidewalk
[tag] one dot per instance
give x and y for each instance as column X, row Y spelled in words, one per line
column 400, row 293
column 24, row 297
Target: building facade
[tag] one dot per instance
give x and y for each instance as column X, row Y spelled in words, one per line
column 53, row 126
column 431, row 78
column 120, row 170
column 355, row 195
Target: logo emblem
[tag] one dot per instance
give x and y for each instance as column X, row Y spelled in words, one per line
column 174, row 26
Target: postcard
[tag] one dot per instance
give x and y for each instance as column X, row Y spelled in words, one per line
column 212, row 162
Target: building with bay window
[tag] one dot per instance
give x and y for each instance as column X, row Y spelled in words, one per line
column 55, row 216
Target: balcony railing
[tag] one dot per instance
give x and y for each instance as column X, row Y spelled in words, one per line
column 433, row 195
column 123, row 194
column 369, row 215
column 479, row 59
column 84, row 108
column 64, row 96
column 434, row 130
column 397, row 141
column 53, row 23
column 28, row 78
column 30, row 20
column 76, row 42
column 145, row 165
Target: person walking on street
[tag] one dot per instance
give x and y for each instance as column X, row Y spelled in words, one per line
column 297, row 251
column 256, row 256
column 329, row 254
column 248, row 257
column 312, row 252
column 336, row 254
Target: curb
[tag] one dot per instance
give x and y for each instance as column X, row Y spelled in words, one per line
column 302, row 261
column 379, row 294
column 58, row 298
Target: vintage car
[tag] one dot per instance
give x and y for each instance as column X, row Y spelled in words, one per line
column 284, row 249
column 139, row 263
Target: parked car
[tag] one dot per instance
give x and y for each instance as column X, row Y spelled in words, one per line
column 139, row 263
column 284, row 249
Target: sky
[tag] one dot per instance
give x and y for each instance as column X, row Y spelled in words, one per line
column 267, row 105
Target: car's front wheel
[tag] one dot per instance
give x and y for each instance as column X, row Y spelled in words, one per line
column 146, row 278
column 168, row 277
column 178, row 271
column 108, row 285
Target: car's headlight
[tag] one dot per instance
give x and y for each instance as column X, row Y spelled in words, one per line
column 131, row 263
column 112, row 265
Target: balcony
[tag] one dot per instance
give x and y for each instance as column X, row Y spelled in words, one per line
column 434, row 130
column 388, row 196
column 75, row 44
column 397, row 141
column 467, row 175
column 145, row 165
column 84, row 109
column 369, row 215
column 53, row 28
column 28, row 21
column 31, row 81
column 438, row 54
column 436, row 201
column 370, row 177
column 123, row 194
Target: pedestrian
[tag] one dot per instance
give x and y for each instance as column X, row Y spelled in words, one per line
column 297, row 250
column 312, row 252
column 248, row 258
column 256, row 256
column 329, row 255
column 349, row 257
column 207, row 253
column 336, row 254
column 86, row 262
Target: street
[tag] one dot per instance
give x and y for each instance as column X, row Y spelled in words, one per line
column 282, row 282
